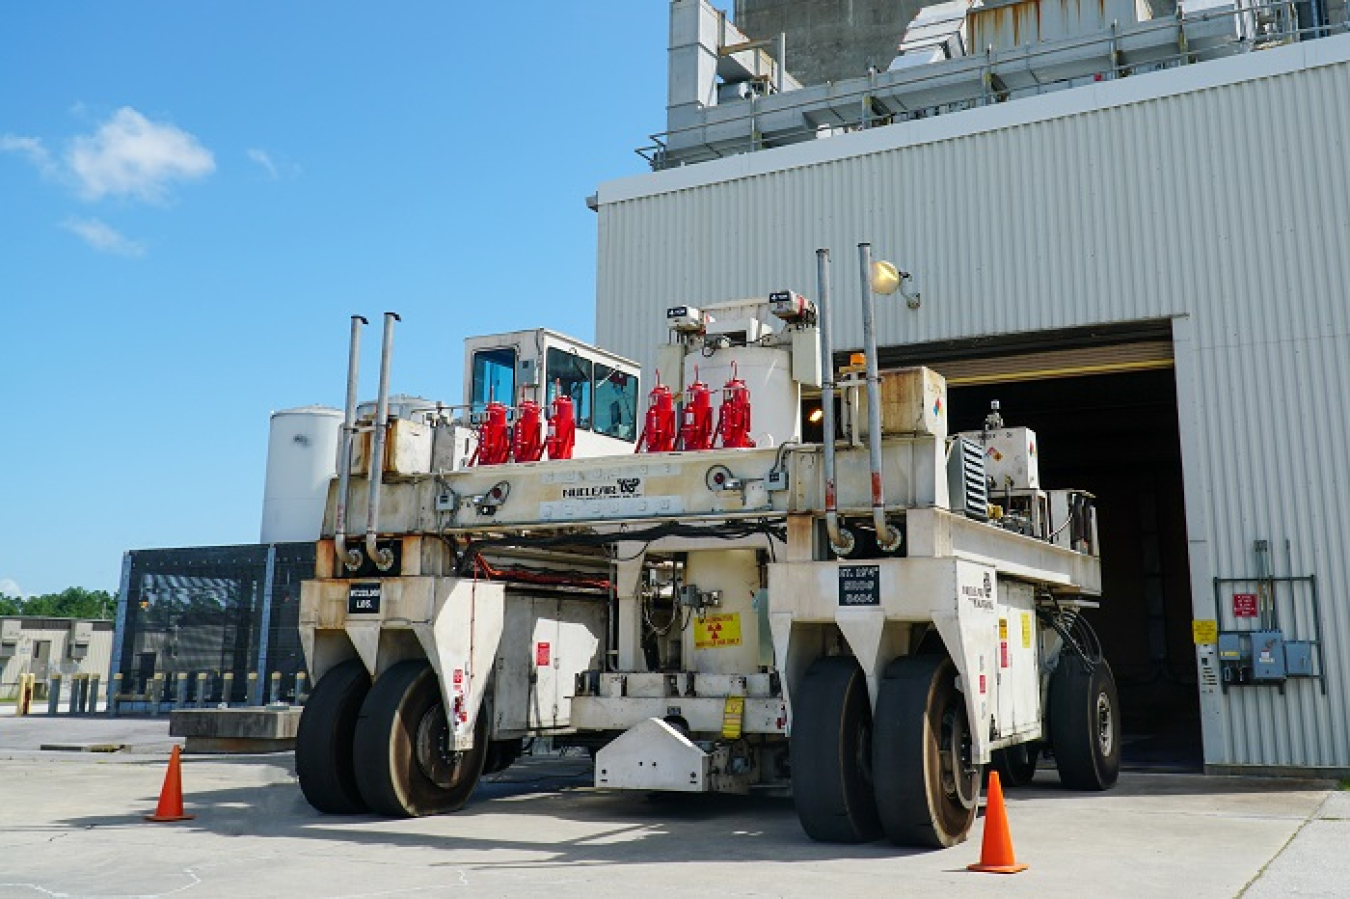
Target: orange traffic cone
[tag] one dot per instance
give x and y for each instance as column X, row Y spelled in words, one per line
column 171, row 796
column 996, row 855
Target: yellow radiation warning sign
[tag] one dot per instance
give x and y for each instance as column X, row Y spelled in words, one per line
column 716, row 631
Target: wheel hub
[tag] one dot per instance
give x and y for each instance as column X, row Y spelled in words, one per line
column 438, row 761
column 960, row 780
column 1106, row 732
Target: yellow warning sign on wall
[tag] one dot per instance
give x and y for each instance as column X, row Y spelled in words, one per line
column 715, row 631
column 1026, row 630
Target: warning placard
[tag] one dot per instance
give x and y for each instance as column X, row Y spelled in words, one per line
column 715, row 631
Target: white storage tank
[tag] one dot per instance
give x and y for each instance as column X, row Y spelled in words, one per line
column 301, row 461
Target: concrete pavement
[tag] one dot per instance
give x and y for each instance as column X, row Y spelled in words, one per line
column 70, row 824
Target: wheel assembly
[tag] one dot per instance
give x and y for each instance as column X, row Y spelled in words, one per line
column 323, row 743
column 831, row 752
column 1085, row 723
column 927, row 788
column 1016, row 765
column 405, row 766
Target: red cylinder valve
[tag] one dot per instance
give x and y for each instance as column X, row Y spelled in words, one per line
column 562, row 427
column 494, row 438
column 658, row 433
column 733, row 417
column 696, row 432
column 527, row 442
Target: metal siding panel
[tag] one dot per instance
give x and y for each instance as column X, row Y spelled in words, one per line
column 1231, row 204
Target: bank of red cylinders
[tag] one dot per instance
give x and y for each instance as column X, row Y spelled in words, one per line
column 658, row 432
column 733, row 417
column 494, row 438
column 527, row 442
column 696, row 432
column 562, row 428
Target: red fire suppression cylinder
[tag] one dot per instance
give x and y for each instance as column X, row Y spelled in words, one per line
column 562, row 428
column 696, row 432
column 733, row 417
column 658, row 433
column 494, row 438
column 527, row 441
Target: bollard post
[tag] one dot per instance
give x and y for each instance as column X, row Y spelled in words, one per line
column 26, row 684
column 53, row 694
column 275, row 696
column 114, row 693
column 301, row 684
column 226, row 689
column 78, row 684
column 180, row 690
column 253, row 696
column 93, row 694
column 201, row 689
column 154, row 690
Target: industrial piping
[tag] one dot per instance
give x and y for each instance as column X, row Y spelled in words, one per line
column 841, row 541
column 350, row 557
column 888, row 538
column 383, row 558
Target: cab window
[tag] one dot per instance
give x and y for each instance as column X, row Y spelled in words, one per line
column 572, row 374
column 494, row 378
column 616, row 403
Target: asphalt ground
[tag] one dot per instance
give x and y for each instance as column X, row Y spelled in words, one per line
column 71, row 824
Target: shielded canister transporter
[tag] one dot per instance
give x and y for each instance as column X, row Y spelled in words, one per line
column 688, row 585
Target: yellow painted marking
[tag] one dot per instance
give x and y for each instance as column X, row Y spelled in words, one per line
column 733, row 711
column 1026, row 630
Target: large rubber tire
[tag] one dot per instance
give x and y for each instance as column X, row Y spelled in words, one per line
column 831, row 752
column 1016, row 765
column 1085, row 724
column 928, row 792
column 403, row 766
column 323, row 743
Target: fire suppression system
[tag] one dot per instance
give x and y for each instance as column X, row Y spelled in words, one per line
column 696, row 432
column 527, row 444
column 733, row 416
column 494, row 437
column 562, row 427
column 658, row 433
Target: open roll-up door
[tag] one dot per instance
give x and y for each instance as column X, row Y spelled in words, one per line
column 1101, row 360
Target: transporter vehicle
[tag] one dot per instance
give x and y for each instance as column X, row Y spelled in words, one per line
column 701, row 595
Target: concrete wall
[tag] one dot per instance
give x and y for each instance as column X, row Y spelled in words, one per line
column 829, row 40
column 1214, row 196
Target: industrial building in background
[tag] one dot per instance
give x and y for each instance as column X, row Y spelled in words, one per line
column 1128, row 226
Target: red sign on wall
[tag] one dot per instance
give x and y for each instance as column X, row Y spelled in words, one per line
column 541, row 655
column 1244, row 605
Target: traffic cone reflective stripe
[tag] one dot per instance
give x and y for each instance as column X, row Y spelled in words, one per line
column 996, row 854
column 171, row 796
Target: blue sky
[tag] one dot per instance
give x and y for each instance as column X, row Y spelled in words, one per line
column 195, row 197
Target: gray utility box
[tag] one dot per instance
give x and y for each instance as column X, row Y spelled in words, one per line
column 1298, row 658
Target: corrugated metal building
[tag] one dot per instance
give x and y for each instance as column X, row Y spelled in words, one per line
column 1153, row 270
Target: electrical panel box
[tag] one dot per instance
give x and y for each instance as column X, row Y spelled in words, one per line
column 1298, row 658
column 1011, row 461
column 1235, row 657
column 1268, row 655
column 913, row 401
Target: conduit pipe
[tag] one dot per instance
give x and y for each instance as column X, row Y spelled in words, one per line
column 841, row 541
column 349, row 557
column 888, row 538
column 383, row 558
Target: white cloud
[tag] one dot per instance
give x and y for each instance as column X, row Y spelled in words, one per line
column 103, row 237
column 30, row 147
column 10, row 587
column 263, row 159
column 131, row 156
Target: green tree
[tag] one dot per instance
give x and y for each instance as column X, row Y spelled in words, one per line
column 10, row 605
column 72, row 602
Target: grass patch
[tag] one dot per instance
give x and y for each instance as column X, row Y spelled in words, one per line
column 1345, row 783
